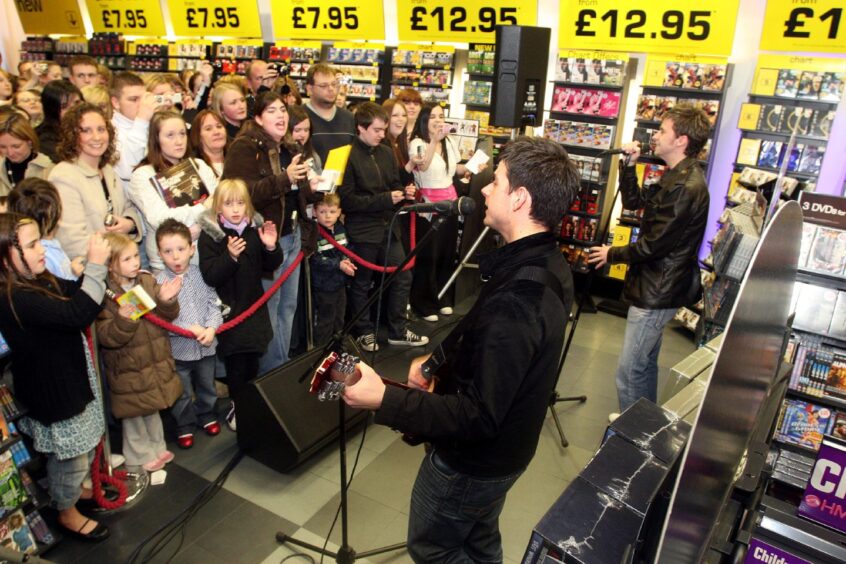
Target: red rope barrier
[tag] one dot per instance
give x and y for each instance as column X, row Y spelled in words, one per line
column 367, row 264
column 240, row 317
column 99, row 477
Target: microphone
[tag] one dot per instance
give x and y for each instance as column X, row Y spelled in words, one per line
column 461, row 206
column 613, row 152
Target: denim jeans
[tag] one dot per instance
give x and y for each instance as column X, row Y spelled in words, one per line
column 196, row 405
column 282, row 305
column 65, row 478
column 637, row 371
column 455, row 517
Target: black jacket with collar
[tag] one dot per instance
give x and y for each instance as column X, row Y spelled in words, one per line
column 663, row 265
column 371, row 175
column 488, row 420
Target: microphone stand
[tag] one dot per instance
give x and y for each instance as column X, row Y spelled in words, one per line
column 346, row 554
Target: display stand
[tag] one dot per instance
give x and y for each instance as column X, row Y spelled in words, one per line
column 298, row 55
column 362, row 64
column 426, row 68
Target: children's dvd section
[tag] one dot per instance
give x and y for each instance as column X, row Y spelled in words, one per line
column 427, row 69
column 588, row 94
column 21, row 526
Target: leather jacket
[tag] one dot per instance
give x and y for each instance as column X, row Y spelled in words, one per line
column 663, row 265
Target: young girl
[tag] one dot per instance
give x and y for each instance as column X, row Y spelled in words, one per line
column 235, row 248
column 137, row 358
column 38, row 312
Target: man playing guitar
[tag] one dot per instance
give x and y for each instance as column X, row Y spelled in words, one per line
column 498, row 366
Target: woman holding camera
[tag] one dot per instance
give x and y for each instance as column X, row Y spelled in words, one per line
column 92, row 197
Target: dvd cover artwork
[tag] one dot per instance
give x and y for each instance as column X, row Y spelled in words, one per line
column 810, row 84
column 771, row 154
column 811, row 160
column 771, row 117
column 715, row 76
column 804, row 423
column 673, row 75
column 787, row 83
column 821, row 124
column 831, row 89
column 646, row 107
column 828, row 252
column 692, row 76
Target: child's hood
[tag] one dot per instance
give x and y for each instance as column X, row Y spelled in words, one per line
column 211, row 226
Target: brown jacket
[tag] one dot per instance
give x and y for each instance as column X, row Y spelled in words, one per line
column 254, row 158
column 137, row 358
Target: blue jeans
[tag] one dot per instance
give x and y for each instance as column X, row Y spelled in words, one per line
column 455, row 517
column 196, row 405
column 637, row 371
column 282, row 305
column 65, row 478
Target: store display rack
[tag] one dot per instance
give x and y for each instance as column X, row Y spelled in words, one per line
column 364, row 65
column 426, row 68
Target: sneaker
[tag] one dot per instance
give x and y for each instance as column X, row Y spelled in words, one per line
column 410, row 339
column 368, row 342
column 212, row 428
column 431, row 318
column 230, row 417
column 166, row 457
column 446, row 310
column 153, row 465
column 613, row 417
column 185, row 441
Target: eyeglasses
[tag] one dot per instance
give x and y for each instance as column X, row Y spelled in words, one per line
column 325, row 85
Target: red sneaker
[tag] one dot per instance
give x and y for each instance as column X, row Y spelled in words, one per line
column 212, row 428
column 185, row 441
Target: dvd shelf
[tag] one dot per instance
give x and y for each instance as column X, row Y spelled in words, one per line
column 37, row 48
column 299, row 56
column 428, row 69
column 362, row 64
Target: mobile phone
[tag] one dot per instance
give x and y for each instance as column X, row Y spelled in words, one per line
column 419, row 150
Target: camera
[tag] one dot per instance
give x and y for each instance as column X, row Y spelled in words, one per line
column 109, row 220
column 172, row 98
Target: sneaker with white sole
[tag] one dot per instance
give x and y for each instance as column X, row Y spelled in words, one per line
column 410, row 339
column 432, row 318
column 368, row 342
column 230, row 417
column 446, row 311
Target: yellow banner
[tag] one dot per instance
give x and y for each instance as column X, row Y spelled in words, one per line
column 328, row 19
column 817, row 25
column 131, row 17
column 461, row 21
column 40, row 17
column 650, row 26
column 228, row 18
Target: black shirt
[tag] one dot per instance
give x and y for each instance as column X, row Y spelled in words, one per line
column 328, row 135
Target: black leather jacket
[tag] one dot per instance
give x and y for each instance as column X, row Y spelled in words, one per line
column 663, row 269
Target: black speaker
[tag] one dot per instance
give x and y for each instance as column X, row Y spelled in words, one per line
column 522, row 54
column 280, row 423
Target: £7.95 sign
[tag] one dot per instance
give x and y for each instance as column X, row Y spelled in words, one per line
column 460, row 21
column 229, row 18
column 648, row 25
column 132, row 17
column 805, row 26
column 328, row 19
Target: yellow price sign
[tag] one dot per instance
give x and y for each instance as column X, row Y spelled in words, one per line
column 132, row 17
column 809, row 26
column 230, row 18
column 461, row 21
column 328, row 19
column 41, row 17
column 650, row 26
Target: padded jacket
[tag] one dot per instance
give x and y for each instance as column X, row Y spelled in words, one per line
column 663, row 265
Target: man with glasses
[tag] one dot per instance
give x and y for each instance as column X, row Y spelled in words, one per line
column 331, row 126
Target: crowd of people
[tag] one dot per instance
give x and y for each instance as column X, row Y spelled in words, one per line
column 85, row 229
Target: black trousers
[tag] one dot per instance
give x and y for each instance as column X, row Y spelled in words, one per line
column 364, row 279
column 329, row 309
column 241, row 368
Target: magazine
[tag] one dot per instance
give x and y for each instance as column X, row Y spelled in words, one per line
column 181, row 185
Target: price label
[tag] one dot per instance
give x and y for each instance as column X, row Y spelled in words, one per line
column 651, row 26
column 41, row 17
column 807, row 26
column 460, row 21
column 132, row 17
column 228, row 18
column 329, row 19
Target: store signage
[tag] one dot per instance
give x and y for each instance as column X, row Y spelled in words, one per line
column 461, row 21
column 229, row 18
column 650, row 26
column 824, row 500
column 822, row 209
column 813, row 25
column 131, row 17
column 41, row 17
column 328, row 19
column 761, row 552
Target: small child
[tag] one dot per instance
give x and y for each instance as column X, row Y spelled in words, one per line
column 39, row 199
column 236, row 247
column 199, row 313
column 137, row 358
column 329, row 269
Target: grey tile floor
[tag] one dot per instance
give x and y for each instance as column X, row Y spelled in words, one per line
column 238, row 525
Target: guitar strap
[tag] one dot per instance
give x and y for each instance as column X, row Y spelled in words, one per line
column 528, row 272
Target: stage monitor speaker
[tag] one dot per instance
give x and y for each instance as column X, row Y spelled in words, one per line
column 280, row 423
column 522, row 54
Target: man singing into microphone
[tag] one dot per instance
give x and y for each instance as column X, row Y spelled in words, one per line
column 370, row 195
column 499, row 366
column 663, row 273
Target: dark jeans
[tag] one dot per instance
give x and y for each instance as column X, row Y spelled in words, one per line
column 329, row 309
column 455, row 517
column 241, row 368
column 196, row 405
column 397, row 295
